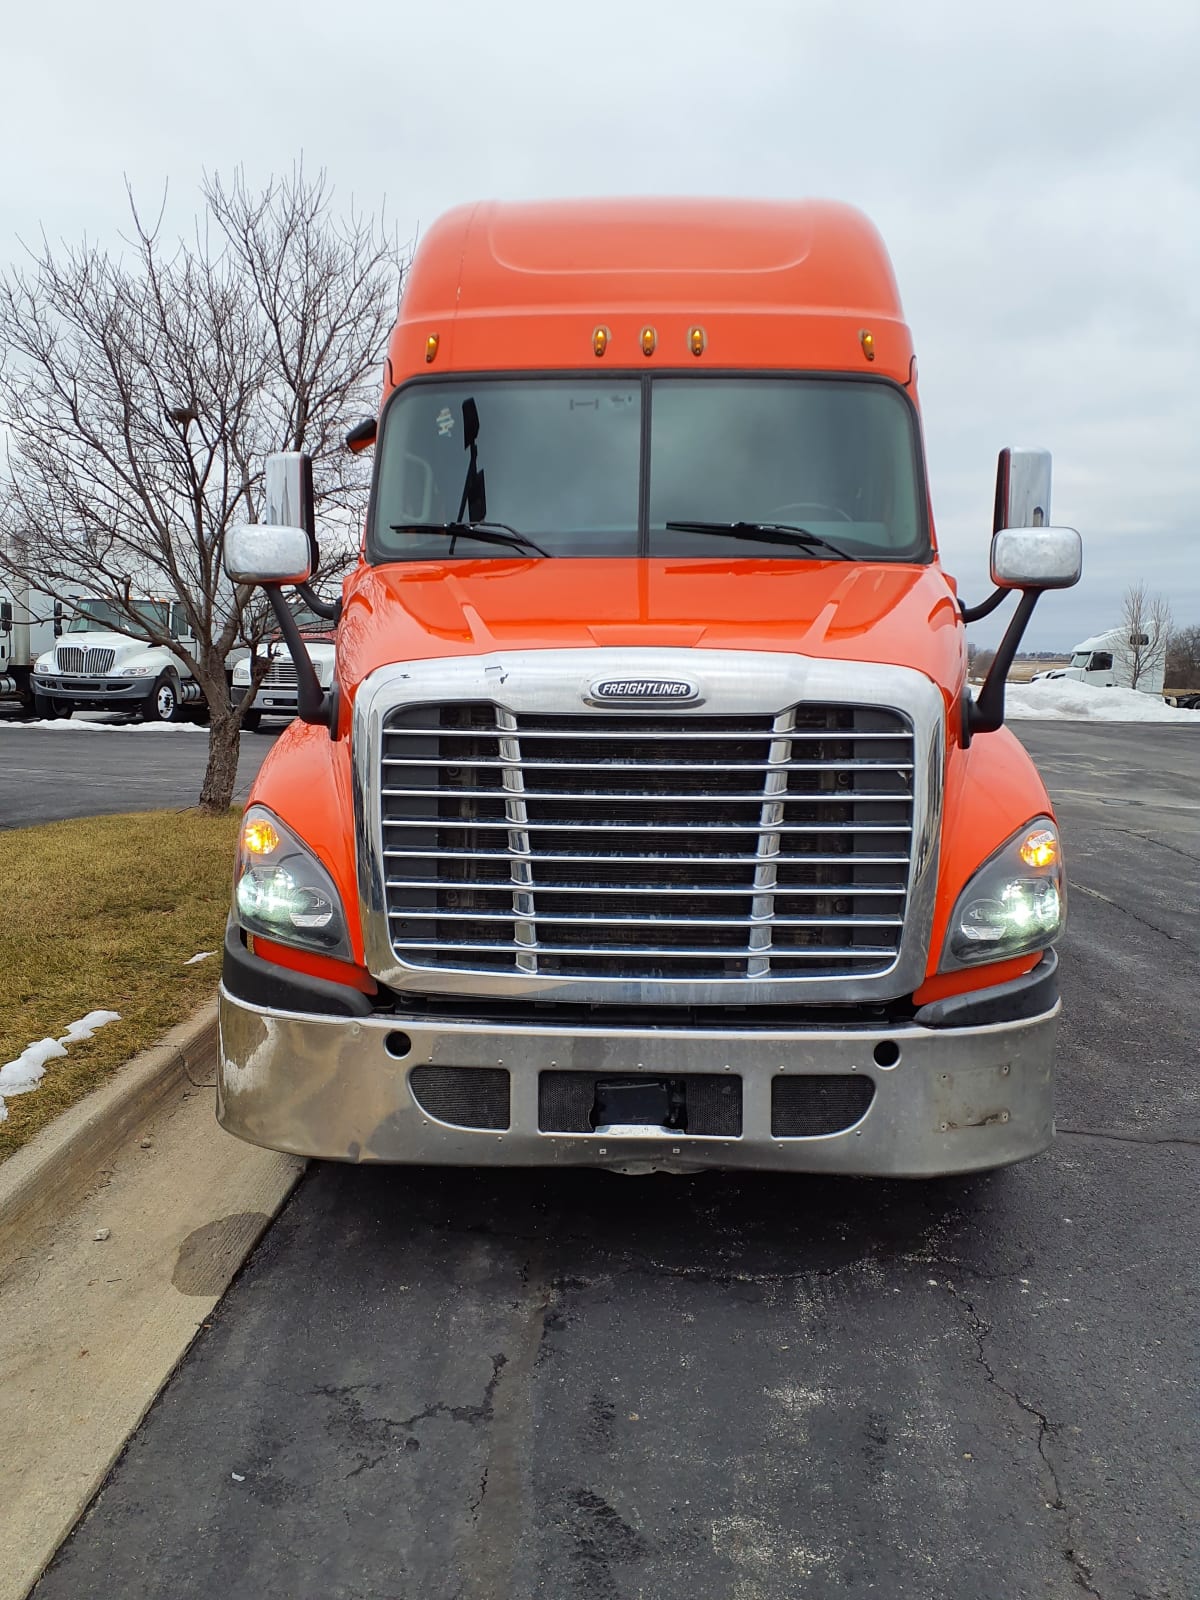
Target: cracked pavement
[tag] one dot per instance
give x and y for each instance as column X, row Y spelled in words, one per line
column 461, row 1385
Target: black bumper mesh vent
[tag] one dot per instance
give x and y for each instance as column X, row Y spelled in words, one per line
column 467, row 1097
column 807, row 1106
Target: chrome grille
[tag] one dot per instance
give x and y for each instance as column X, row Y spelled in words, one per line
column 74, row 658
column 654, row 846
column 281, row 671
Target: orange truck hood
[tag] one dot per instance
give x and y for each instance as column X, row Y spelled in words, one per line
column 888, row 613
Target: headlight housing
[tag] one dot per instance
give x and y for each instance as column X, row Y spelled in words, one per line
column 281, row 890
column 44, row 663
column 241, row 673
column 1016, row 902
column 136, row 672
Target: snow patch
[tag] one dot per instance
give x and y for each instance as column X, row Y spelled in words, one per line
column 29, row 1068
column 1068, row 700
column 73, row 725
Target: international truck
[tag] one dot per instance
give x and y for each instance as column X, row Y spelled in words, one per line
column 98, row 664
column 278, row 694
column 649, row 822
column 1106, row 661
column 28, row 625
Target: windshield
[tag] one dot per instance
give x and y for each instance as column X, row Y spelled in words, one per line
column 94, row 615
column 570, row 464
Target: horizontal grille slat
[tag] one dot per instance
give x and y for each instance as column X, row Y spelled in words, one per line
column 674, row 768
column 504, row 886
column 657, row 921
column 641, row 796
column 633, row 736
column 646, row 846
column 618, row 825
column 626, row 859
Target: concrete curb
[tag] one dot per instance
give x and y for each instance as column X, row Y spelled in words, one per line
column 55, row 1170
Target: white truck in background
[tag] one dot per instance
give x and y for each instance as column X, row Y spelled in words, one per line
column 92, row 666
column 1106, row 661
column 27, row 628
column 278, row 695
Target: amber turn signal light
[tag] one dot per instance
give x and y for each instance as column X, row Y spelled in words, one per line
column 1039, row 848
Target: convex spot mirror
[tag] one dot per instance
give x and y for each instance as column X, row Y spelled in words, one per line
column 282, row 548
column 1036, row 558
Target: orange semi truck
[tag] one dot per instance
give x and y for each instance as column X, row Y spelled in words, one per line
column 650, row 821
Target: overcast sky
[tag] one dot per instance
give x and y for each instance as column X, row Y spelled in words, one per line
column 1034, row 169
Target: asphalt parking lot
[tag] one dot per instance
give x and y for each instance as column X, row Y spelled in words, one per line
column 462, row 1384
column 97, row 764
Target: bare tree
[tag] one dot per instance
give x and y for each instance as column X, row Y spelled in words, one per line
column 981, row 663
column 141, row 394
column 1146, row 630
column 1183, row 658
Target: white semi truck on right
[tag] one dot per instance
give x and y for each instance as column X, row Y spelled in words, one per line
column 1107, row 661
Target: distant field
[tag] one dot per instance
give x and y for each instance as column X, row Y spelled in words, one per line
column 1022, row 671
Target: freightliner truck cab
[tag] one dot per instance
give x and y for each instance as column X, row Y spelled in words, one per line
column 649, row 821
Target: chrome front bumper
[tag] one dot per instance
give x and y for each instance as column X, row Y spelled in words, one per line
column 957, row 1099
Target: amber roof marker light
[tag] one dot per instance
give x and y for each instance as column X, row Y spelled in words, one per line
column 696, row 340
column 867, row 339
column 600, row 338
column 649, row 340
column 431, row 347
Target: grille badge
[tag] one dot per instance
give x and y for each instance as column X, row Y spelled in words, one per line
column 643, row 691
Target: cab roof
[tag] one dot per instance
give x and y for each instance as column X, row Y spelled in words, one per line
column 527, row 283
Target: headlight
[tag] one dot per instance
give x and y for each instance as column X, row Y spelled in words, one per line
column 44, row 663
column 136, row 672
column 1015, row 903
column 282, row 891
column 241, row 673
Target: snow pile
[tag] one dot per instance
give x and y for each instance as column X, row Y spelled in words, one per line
column 28, row 1070
column 74, row 725
column 1068, row 700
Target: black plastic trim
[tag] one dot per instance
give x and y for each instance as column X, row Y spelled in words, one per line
column 261, row 983
column 1029, row 996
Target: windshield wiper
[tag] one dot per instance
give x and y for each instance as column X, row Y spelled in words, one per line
column 766, row 533
column 485, row 532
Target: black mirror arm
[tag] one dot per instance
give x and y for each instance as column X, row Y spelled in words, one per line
column 331, row 610
column 312, row 703
column 984, row 608
column 986, row 714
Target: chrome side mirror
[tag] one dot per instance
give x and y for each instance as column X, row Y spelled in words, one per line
column 1036, row 558
column 1022, row 489
column 282, row 548
column 264, row 552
